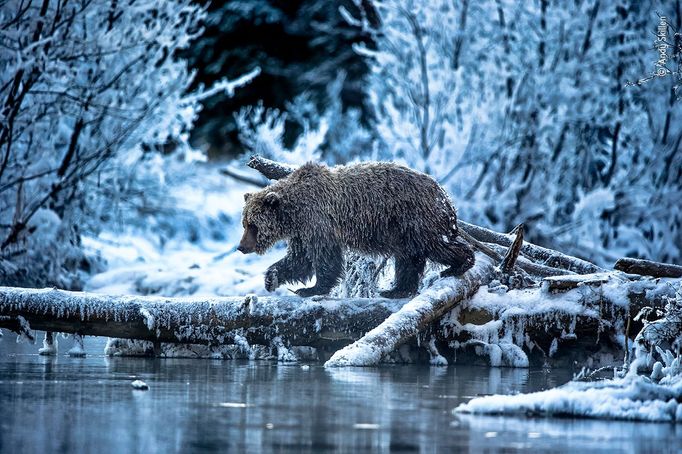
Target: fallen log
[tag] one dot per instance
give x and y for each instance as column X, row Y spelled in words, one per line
column 523, row 320
column 530, row 267
column 271, row 170
column 563, row 283
column 648, row 268
column 412, row 318
column 258, row 182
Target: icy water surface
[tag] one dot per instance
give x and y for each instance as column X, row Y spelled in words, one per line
column 67, row 404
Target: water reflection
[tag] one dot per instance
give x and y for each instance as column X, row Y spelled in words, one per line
column 87, row 404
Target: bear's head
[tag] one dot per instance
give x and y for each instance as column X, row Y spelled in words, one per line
column 262, row 221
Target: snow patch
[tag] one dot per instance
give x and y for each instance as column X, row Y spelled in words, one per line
column 634, row 398
column 139, row 385
column 77, row 350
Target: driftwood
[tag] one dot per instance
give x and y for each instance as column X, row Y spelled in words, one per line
column 271, row 170
column 536, row 253
column 239, row 176
column 526, row 264
column 648, row 268
column 571, row 281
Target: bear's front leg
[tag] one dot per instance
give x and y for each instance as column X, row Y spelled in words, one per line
column 295, row 266
column 328, row 269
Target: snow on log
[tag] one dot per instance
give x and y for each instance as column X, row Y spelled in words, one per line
column 567, row 324
column 505, row 327
column 648, row 268
column 567, row 282
column 529, row 266
column 194, row 320
column 414, row 317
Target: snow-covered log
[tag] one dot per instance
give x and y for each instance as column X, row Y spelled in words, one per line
column 567, row 282
column 194, row 320
column 271, row 170
column 508, row 326
column 497, row 252
column 557, row 327
column 412, row 318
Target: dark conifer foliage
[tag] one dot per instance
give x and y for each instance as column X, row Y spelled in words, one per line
column 300, row 46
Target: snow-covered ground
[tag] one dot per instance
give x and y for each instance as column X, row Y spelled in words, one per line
column 200, row 259
column 633, row 397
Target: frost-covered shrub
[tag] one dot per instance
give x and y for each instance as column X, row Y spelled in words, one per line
column 335, row 136
column 524, row 121
column 262, row 132
column 661, row 340
column 88, row 88
column 417, row 81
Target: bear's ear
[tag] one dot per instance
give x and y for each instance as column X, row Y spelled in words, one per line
column 272, row 199
column 246, row 196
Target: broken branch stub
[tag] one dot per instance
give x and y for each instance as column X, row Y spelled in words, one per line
column 270, row 169
column 513, row 253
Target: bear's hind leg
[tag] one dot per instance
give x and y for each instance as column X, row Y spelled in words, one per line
column 328, row 271
column 408, row 270
column 454, row 253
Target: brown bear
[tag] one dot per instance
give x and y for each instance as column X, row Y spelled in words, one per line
column 374, row 208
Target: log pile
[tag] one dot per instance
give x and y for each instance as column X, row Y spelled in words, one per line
column 519, row 299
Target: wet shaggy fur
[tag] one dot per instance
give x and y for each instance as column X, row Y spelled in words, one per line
column 373, row 208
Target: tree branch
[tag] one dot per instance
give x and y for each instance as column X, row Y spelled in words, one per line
column 648, row 268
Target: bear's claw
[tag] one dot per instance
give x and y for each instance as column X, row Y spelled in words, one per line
column 271, row 279
column 397, row 293
column 312, row 291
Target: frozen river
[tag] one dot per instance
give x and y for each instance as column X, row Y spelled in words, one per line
column 64, row 404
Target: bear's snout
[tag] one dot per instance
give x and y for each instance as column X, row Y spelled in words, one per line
column 247, row 244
